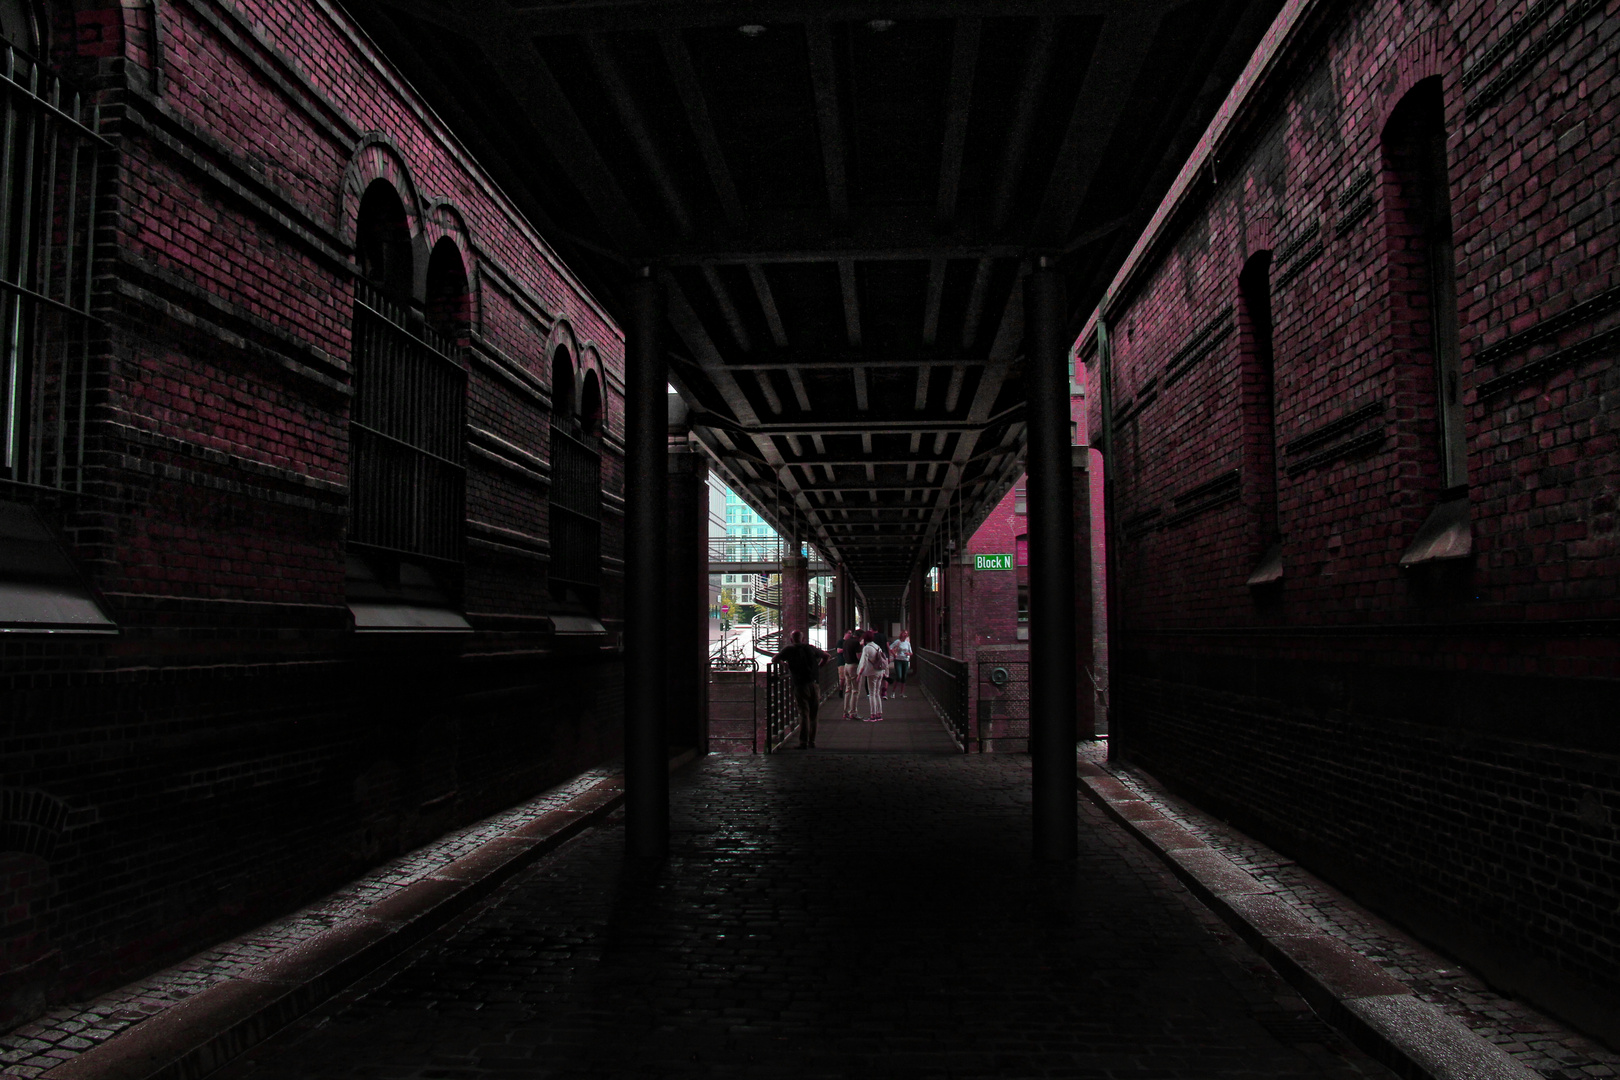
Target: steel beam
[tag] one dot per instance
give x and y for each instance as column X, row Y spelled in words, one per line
column 1051, row 569
column 646, row 769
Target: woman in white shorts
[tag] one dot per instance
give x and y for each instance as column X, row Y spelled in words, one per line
column 874, row 666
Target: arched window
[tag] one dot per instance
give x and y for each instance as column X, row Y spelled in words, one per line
column 407, row 479
column 590, row 406
column 562, row 387
column 1423, row 278
column 48, row 198
column 449, row 297
column 576, row 490
column 1257, row 395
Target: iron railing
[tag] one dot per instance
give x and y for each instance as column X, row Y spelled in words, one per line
column 733, row 700
column 781, row 715
column 944, row 682
column 576, row 513
column 408, row 433
column 50, row 150
column 758, row 549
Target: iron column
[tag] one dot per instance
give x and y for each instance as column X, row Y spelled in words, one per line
column 646, row 415
column 1051, row 569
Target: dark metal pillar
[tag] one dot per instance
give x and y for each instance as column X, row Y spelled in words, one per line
column 646, row 414
column 1112, row 584
column 1051, row 569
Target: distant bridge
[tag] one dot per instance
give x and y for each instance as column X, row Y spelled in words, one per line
column 761, row 555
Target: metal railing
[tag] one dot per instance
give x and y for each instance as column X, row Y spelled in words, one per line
column 50, row 150
column 758, row 549
column 733, row 701
column 781, row 715
column 944, row 681
column 409, row 478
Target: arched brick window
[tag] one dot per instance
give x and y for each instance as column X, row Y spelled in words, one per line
column 590, row 405
column 576, row 487
column 407, row 428
column 1423, row 282
column 48, row 196
column 1257, row 394
column 449, row 296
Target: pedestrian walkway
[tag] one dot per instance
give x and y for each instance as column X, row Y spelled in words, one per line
column 909, row 726
column 838, row 915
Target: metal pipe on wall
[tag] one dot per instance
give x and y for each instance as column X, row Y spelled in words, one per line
column 646, row 380
column 1050, row 504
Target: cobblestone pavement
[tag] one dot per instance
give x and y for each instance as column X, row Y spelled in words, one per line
column 839, row 915
column 1535, row 1040
column 36, row 1046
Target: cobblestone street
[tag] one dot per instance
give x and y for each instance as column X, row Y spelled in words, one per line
column 828, row 915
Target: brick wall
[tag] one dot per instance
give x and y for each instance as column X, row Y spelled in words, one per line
column 1434, row 733
column 237, row 748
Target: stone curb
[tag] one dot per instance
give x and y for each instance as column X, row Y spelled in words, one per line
column 196, row 1036
column 1376, row 1011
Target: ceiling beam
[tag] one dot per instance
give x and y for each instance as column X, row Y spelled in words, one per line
column 1041, row 53
column 624, row 105
column 833, row 360
column 852, row 327
column 537, row 92
column 582, row 16
column 687, row 87
column 1110, row 81
column 1009, row 335
column 824, row 83
column 875, row 248
column 959, row 99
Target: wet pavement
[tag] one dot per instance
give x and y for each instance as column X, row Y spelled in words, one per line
column 828, row 914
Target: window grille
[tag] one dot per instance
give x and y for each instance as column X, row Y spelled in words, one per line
column 576, row 515
column 48, row 202
column 407, row 442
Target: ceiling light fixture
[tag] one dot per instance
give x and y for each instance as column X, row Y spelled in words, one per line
column 750, row 30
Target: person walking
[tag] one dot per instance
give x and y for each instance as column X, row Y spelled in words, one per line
column 900, row 651
column 849, row 661
column 874, row 666
column 803, row 661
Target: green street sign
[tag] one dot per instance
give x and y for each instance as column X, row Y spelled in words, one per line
column 992, row 562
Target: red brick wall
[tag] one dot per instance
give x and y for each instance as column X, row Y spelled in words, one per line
column 1405, row 725
column 236, row 748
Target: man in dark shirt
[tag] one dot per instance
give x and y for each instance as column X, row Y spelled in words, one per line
column 803, row 661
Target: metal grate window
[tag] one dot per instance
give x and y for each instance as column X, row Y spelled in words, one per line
column 48, row 194
column 407, row 468
column 576, row 514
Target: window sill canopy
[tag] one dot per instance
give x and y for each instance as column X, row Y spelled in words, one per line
column 1444, row 535
column 40, row 590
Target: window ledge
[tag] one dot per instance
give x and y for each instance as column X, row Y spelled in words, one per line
column 1270, row 568
column 576, row 626
column 1444, row 535
column 40, row 589
column 394, row 618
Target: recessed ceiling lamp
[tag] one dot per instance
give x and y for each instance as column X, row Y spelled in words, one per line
column 877, row 26
column 750, row 30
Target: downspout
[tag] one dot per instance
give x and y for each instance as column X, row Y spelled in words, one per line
column 1111, row 588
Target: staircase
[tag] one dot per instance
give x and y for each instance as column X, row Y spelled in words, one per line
column 767, row 624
